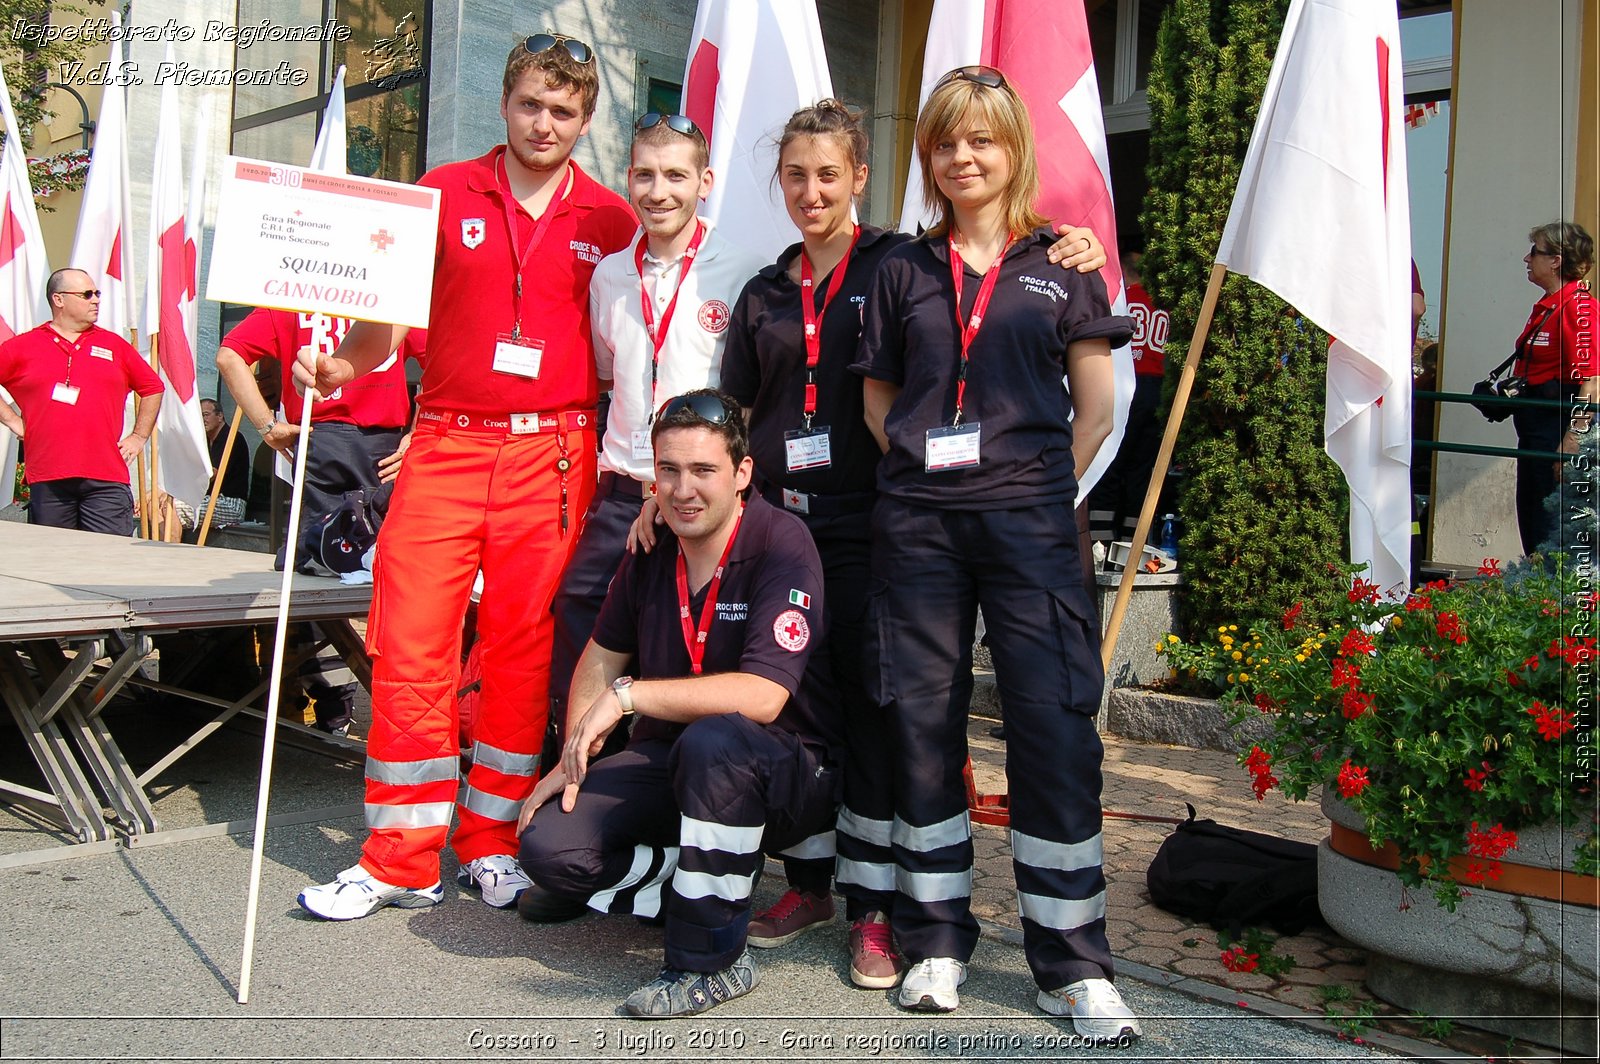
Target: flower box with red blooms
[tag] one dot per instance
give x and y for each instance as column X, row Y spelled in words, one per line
column 1449, row 720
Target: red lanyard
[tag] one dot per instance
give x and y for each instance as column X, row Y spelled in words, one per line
column 813, row 317
column 658, row 336
column 694, row 639
column 969, row 331
column 519, row 260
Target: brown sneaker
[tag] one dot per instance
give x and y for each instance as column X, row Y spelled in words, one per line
column 795, row 914
column 875, row 964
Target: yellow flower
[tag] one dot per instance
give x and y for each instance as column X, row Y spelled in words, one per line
column 1244, row 677
column 1300, row 658
column 1222, row 630
column 1230, row 678
column 1236, row 655
column 1233, row 628
column 1173, row 639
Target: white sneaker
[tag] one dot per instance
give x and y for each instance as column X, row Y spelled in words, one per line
column 355, row 893
column 930, row 985
column 1096, row 1008
column 497, row 878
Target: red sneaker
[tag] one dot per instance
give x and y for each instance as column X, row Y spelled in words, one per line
column 794, row 915
column 874, row 962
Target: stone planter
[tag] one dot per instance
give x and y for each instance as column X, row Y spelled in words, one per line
column 1157, row 717
column 1516, row 964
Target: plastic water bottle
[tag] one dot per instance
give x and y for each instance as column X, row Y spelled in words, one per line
column 1169, row 536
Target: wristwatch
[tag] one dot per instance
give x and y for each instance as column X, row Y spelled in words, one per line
column 622, row 687
column 266, row 430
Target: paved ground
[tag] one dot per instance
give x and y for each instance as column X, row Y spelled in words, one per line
column 135, row 954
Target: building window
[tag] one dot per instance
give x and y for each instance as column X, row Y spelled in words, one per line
column 386, row 85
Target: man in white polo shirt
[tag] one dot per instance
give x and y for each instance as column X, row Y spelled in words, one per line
column 660, row 313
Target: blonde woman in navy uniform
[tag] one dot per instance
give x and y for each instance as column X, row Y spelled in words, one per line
column 793, row 337
column 967, row 332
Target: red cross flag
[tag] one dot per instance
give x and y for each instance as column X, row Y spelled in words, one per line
column 24, row 268
column 1321, row 217
column 1042, row 46
column 752, row 64
column 103, row 245
column 183, row 461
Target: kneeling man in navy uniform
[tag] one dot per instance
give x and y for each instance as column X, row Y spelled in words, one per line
column 733, row 752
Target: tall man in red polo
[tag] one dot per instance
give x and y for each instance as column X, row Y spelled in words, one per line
column 501, row 468
column 71, row 378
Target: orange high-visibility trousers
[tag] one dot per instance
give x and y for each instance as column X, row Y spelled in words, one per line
column 469, row 496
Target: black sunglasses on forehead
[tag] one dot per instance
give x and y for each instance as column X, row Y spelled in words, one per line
column 987, row 76
column 677, row 123
column 542, row 42
column 707, row 408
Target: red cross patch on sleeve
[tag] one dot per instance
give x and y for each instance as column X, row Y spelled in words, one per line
column 791, row 631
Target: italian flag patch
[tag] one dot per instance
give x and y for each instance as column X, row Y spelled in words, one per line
column 799, row 598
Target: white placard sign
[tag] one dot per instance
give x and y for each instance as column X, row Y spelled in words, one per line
column 299, row 239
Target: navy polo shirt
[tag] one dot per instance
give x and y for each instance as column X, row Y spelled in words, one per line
column 910, row 337
column 768, row 620
column 764, row 368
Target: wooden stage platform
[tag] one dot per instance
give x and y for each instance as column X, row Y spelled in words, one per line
column 77, row 613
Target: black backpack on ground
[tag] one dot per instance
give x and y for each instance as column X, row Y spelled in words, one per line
column 1233, row 879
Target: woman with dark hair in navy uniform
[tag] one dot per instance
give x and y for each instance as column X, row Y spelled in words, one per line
column 967, row 332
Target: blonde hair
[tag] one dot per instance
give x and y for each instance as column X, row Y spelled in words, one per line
column 958, row 104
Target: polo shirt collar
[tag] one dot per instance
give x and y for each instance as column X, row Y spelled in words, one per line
column 752, row 541
column 940, row 245
column 710, row 247
column 870, row 235
column 1561, row 295
column 484, row 176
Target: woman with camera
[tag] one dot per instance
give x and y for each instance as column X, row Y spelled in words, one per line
column 1558, row 355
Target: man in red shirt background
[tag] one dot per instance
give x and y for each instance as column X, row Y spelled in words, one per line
column 1116, row 501
column 357, row 441
column 499, row 473
column 72, row 378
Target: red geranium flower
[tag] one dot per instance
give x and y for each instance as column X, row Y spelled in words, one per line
column 1363, row 591
column 1476, row 777
column 1356, row 703
column 1493, row 843
column 1552, row 722
column 1352, row 780
column 1237, row 960
column 1491, row 567
column 1449, row 627
column 1419, row 602
column 1355, row 642
column 1291, row 615
column 1345, row 674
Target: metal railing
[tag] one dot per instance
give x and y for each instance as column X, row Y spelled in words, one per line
column 1493, row 400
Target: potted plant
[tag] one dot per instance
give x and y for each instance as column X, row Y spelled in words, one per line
column 1452, row 737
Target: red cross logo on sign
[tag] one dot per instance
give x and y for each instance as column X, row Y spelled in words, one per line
column 381, row 240
column 524, row 422
column 790, row 631
column 471, row 232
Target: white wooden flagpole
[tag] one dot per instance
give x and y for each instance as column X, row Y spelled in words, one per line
column 273, row 694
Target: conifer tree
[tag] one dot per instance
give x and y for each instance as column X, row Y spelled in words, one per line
column 1263, row 508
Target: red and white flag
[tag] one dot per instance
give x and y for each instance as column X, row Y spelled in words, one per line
column 1321, row 217
column 184, row 461
column 1042, row 47
column 103, row 246
column 24, row 268
column 752, row 64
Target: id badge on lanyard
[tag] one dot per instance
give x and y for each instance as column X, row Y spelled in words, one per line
column 520, row 356
column 807, row 448
column 956, row 446
column 953, row 447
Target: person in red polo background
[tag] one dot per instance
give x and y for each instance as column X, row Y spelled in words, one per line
column 1559, row 360
column 72, row 378
column 500, row 472
column 358, row 440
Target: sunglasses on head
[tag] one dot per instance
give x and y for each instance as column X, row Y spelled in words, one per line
column 707, row 408
column 986, row 76
column 542, row 42
column 677, row 123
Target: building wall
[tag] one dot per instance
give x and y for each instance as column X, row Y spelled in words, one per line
column 1514, row 165
column 471, row 39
